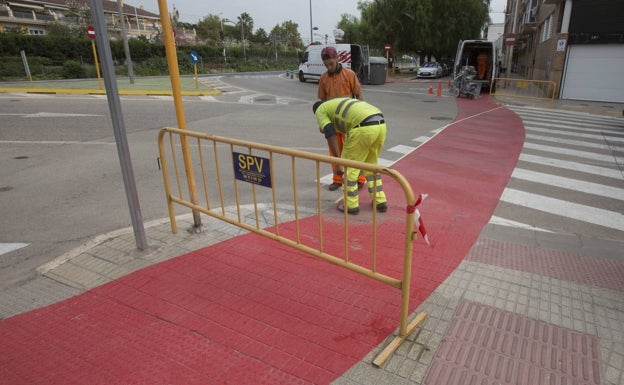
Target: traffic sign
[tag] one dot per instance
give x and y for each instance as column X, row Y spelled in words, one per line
column 194, row 57
column 387, row 47
column 510, row 39
column 91, row 32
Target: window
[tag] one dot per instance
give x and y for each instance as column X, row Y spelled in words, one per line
column 36, row 31
column 546, row 29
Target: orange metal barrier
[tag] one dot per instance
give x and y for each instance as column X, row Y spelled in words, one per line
column 233, row 174
column 524, row 88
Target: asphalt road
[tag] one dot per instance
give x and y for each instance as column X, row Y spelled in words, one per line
column 60, row 174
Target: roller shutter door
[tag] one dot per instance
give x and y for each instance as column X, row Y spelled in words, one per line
column 594, row 72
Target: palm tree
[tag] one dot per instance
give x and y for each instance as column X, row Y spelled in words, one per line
column 245, row 23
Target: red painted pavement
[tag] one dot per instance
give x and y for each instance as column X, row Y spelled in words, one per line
column 252, row 311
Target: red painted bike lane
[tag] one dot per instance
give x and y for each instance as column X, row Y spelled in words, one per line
column 252, row 311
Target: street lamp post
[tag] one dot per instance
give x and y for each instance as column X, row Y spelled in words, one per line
column 311, row 33
column 223, row 42
column 243, row 41
column 242, row 37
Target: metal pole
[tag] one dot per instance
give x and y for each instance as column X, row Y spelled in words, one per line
column 223, row 41
column 124, row 35
column 311, row 35
column 114, row 105
column 176, row 90
column 243, row 41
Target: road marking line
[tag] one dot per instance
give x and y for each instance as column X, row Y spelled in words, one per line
column 402, row 149
column 579, row 212
column 564, row 151
column 8, row 247
column 600, row 136
column 570, row 142
column 509, row 223
column 569, row 165
column 569, row 183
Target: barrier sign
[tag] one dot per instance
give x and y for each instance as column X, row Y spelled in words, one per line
column 252, row 169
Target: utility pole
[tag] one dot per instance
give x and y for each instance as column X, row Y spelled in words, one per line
column 223, row 41
column 124, row 35
column 243, row 40
column 311, row 33
column 119, row 128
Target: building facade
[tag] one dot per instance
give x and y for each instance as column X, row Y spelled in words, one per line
column 578, row 44
column 37, row 17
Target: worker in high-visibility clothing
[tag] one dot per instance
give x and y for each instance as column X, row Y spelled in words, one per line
column 365, row 133
column 337, row 82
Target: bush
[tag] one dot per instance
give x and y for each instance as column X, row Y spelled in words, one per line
column 73, row 70
column 64, row 55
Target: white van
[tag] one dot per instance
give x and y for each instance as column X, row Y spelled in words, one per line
column 351, row 56
column 480, row 54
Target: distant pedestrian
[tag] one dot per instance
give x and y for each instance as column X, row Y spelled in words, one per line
column 365, row 133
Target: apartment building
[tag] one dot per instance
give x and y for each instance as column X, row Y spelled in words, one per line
column 36, row 17
column 578, row 44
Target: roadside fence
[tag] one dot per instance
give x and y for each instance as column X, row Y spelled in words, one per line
column 524, row 88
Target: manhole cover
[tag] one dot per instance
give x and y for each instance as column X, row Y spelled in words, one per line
column 21, row 157
column 6, row 188
column 440, row 118
column 429, row 101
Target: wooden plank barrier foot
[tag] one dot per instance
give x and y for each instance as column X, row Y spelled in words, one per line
column 398, row 340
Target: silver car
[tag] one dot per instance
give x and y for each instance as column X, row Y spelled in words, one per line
column 431, row 70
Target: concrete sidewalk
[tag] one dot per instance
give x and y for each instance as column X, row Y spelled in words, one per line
column 508, row 312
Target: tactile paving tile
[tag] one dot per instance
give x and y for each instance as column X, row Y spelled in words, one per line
column 486, row 345
column 601, row 272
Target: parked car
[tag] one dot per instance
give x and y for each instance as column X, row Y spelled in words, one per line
column 446, row 70
column 430, row 70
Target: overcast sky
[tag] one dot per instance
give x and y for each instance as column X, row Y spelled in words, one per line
column 267, row 14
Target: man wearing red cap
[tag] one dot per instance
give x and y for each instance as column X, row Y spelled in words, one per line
column 338, row 82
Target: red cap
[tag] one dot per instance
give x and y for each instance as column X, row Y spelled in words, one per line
column 329, row 53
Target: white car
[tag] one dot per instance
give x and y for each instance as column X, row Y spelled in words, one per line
column 430, row 70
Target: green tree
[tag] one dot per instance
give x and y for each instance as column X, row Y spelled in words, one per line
column 80, row 14
column 208, row 29
column 286, row 35
column 260, row 37
column 351, row 26
column 430, row 28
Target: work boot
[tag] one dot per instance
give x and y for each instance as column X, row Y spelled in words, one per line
column 334, row 186
column 382, row 207
column 352, row 211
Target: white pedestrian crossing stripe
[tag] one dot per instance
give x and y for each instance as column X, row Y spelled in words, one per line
column 8, row 247
column 576, row 153
column 564, row 208
column 569, row 183
column 569, row 165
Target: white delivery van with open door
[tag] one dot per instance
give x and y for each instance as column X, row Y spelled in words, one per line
column 351, row 56
column 481, row 56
